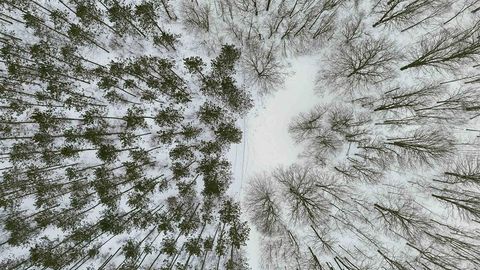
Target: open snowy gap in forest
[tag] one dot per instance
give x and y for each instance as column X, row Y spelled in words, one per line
column 266, row 143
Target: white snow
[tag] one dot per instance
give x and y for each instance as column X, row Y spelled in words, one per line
column 266, row 142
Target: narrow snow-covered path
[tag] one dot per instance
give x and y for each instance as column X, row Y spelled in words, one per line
column 266, row 143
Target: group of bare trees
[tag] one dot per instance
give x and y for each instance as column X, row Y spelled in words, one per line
column 409, row 14
column 297, row 196
column 267, row 30
column 388, row 178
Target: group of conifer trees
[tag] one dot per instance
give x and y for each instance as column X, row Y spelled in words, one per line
column 113, row 140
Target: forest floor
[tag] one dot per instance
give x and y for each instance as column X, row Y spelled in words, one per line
column 266, row 143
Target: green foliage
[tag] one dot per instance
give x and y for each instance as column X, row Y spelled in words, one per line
column 111, row 222
column 216, row 176
column 224, row 64
column 134, row 118
column 167, row 40
column 169, row 246
column 181, row 152
column 69, row 151
column 93, row 135
column 228, row 133
column 39, row 50
column 20, row 152
column 238, row 234
column 45, row 120
column 194, row 64
column 42, row 138
column 107, row 83
column 145, row 13
column 130, row 249
column 19, row 228
column 210, row 113
column 43, row 255
column 104, row 134
column 193, row 247
column 168, row 117
column 87, row 12
column 107, row 153
column 58, row 18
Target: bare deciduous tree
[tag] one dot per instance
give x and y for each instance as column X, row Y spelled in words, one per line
column 447, row 49
column 375, row 152
column 310, row 128
column 305, row 124
column 355, row 170
column 393, row 262
column 263, row 67
column 433, row 257
column 465, row 170
column 467, row 202
column 424, row 146
column 282, row 252
column 361, row 64
column 409, row 99
column 409, row 12
column 197, row 15
column 351, row 124
column 300, row 191
column 263, row 204
column 463, row 247
column 353, row 29
column 321, row 144
column 320, row 239
column 326, row 131
column 402, row 217
column 461, row 100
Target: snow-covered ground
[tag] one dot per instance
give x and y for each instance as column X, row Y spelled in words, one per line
column 266, row 142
